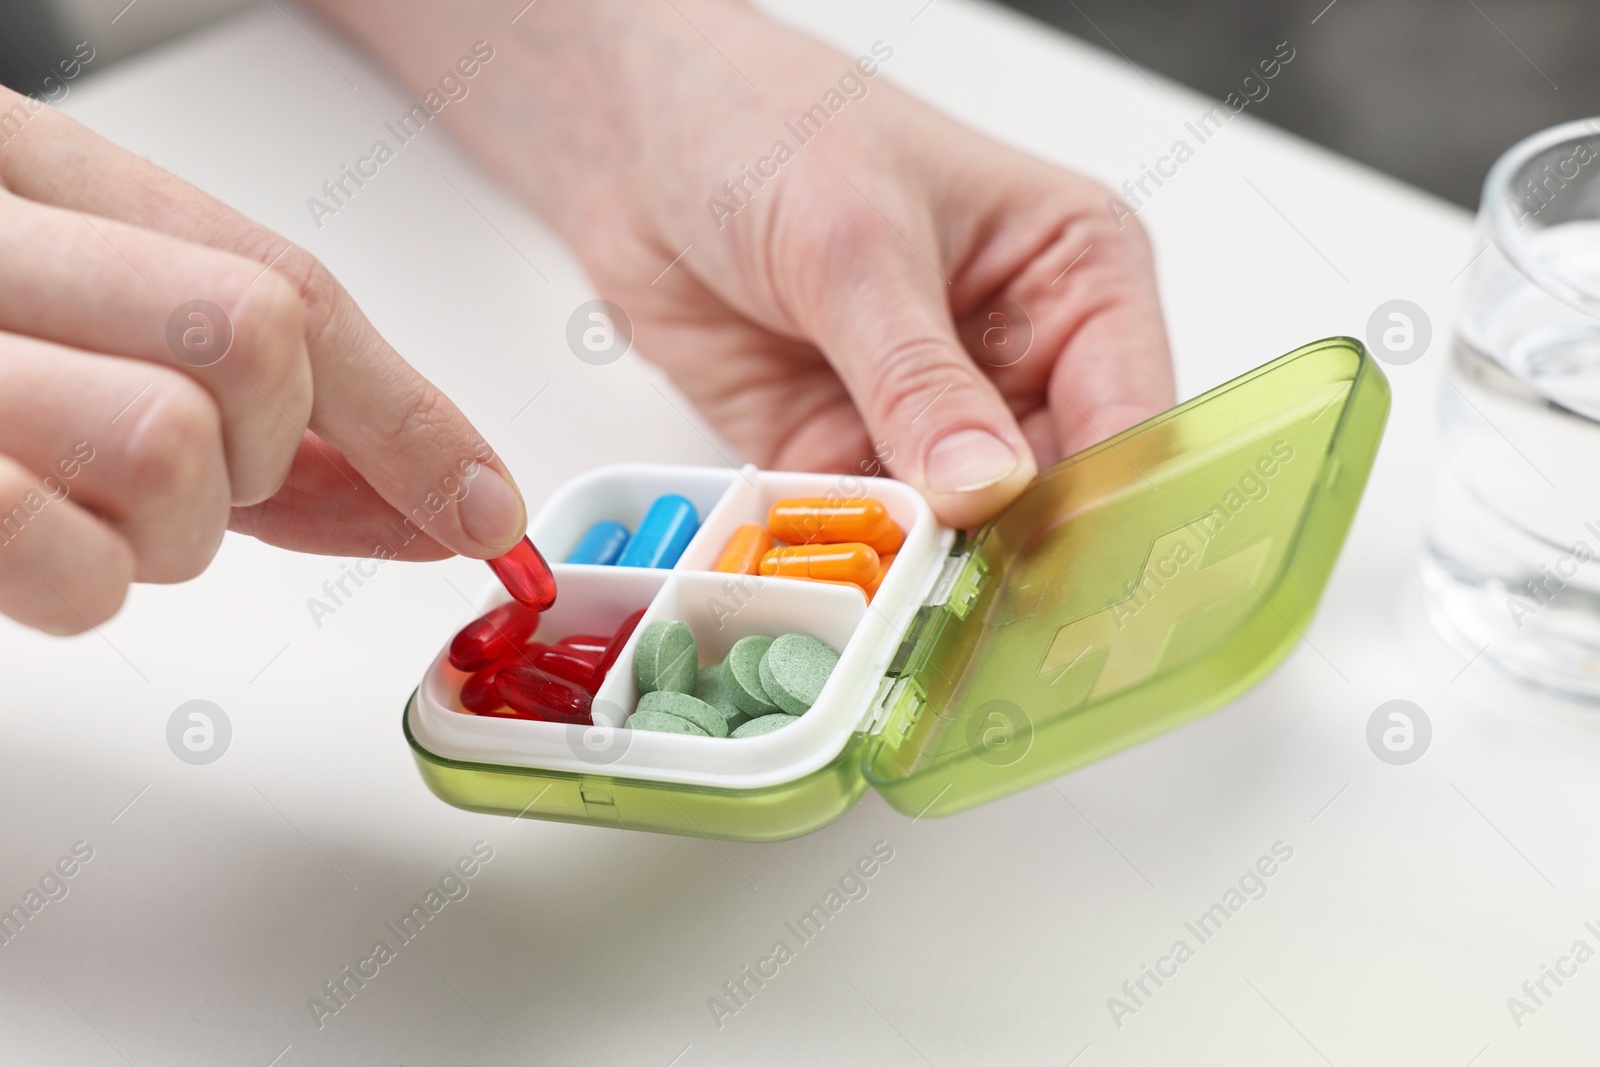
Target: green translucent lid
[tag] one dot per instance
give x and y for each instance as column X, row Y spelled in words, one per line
column 1135, row 585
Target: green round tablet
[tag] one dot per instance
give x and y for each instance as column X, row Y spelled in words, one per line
column 687, row 707
column 764, row 725
column 794, row 670
column 744, row 675
column 711, row 685
column 665, row 657
column 662, row 723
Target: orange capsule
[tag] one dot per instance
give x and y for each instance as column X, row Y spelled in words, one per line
column 884, row 563
column 889, row 541
column 742, row 554
column 818, row 520
column 826, row 581
column 852, row 562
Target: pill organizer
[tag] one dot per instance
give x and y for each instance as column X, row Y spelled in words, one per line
column 1134, row 586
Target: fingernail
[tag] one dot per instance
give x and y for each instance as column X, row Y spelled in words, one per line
column 491, row 510
column 968, row 460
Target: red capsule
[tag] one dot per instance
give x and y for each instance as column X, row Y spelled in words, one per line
column 614, row 647
column 595, row 643
column 478, row 694
column 492, row 637
column 570, row 664
column 526, row 576
column 534, row 694
column 521, row 656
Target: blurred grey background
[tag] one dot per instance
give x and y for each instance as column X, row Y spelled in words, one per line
column 1430, row 91
column 35, row 35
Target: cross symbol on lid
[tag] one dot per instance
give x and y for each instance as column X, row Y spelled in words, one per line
column 1134, row 633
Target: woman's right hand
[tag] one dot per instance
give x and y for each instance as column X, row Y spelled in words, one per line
column 169, row 369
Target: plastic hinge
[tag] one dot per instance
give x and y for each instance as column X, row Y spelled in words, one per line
column 878, row 710
column 964, row 588
column 955, row 589
column 908, row 644
column 954, row 565
column 899, row 707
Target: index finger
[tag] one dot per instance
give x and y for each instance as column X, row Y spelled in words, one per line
column 1115, row 368
column 405, row 437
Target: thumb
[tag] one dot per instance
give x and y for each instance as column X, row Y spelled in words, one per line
column 882, row 319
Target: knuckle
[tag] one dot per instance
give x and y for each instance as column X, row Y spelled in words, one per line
column 269, row 313
column 1127, row 233
column 269, row 325
column 99, row 601
column 907, row 375
column 179, row 561
column 1100, row 225
column 23, row 500
column 1088, row 190
column 1132, row 232
column 62, row 590
column 15, row 481
column 18, row 490
column 424, row 419
column 849, row 256
column 318, row 294
column 172, row 450
column 429, row 431
column 837, row 240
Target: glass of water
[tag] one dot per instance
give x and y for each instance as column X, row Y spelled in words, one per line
column 1511, row 565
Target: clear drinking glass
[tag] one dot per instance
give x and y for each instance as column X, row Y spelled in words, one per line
column 1511, row 565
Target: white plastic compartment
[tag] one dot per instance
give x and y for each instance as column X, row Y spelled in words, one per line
column 590, row 600
column 764, row 606
column 623, row 492
column 590, row 597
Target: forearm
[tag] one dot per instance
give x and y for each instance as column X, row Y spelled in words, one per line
column 559, row 111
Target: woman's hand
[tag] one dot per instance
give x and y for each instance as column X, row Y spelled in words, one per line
column 169, row 369
column 852, row 274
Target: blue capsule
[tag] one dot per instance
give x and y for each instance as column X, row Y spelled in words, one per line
column 602, row 544
column 663, row 534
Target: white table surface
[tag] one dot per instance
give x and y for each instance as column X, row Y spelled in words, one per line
column 226, row 895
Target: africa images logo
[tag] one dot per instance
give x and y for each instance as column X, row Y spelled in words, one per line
column 452, row 886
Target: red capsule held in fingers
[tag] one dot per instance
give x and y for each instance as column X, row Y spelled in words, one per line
column 614, row 647
column 492, row 636
column 526, row 576
column 535, row 694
